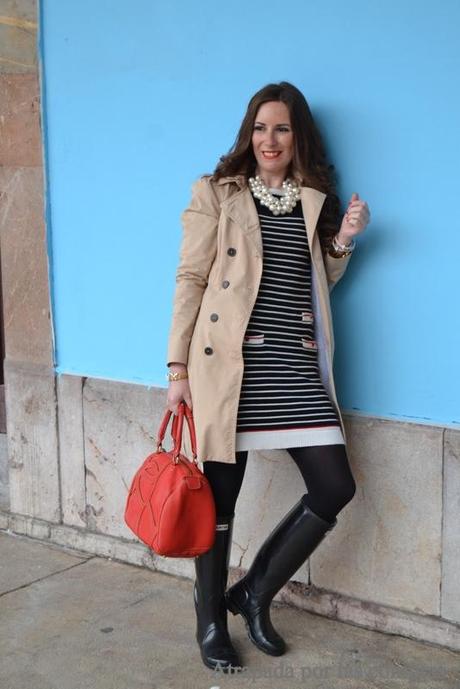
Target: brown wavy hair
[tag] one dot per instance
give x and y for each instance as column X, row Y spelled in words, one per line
column 309, row 165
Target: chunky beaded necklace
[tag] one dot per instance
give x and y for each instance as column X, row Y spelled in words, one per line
column 278, row 206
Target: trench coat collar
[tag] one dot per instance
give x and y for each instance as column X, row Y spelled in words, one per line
column 240, row 207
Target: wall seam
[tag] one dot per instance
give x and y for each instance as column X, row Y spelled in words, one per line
column 46, row 177
column 443, row 506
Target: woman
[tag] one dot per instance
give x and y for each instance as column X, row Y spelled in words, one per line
column 251, row 347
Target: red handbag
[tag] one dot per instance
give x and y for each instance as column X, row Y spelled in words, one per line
column 170, row 505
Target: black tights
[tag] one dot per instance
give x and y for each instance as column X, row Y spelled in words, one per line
column 324, row 468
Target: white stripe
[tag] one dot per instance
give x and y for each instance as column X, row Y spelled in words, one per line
column 265, row 400
column 289, row 235
column 286, row 420
column 265, row 308
column 296, row 235
column 274, row 282
column 274, row 274
column 285, row 386
column 303, row 382
column 292, row 359
column 276, row 255
column 280, row 220
column 280, row 414
column 289, row 325
column 284, row 241
column 299, row 301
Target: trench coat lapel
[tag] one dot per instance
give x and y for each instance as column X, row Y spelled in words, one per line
column 240, row 208
column 312, row 202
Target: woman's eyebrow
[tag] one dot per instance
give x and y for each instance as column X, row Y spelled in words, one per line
column 280, row 124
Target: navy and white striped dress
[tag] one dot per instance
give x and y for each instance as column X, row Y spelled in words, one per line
column 283, row 402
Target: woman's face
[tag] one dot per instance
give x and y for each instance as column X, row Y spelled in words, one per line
column 273, row 139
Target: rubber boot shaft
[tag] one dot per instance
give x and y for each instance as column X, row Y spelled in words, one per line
column 211, row 568
column 287, row 547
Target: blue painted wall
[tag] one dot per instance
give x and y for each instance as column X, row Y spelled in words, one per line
column 142, row 98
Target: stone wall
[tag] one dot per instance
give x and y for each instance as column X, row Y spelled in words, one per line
column 28, row 366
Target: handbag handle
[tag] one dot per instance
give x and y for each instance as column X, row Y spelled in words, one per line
column 176, row 430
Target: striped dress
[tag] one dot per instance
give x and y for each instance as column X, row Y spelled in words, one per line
column 283, row 402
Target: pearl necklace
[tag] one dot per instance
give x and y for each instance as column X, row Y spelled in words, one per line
column 277, row 206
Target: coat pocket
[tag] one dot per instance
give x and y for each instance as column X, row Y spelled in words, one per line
column 307, row 316
column 311, row 345
column 253, row 338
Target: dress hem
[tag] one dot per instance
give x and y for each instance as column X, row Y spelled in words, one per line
column 278, row 440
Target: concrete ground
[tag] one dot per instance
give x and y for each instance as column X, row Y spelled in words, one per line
column 73, row 621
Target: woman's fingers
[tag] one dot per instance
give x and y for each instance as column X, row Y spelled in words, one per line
column 173, row 402
column 358, row 213
column 356, row 205
column 179, row 390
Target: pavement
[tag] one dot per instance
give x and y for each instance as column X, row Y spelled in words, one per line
column 69, row 620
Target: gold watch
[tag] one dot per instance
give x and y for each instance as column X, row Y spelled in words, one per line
column 176, row 375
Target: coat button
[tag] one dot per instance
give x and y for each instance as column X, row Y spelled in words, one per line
column 231, row 251
column 225, row 284
column 208, row 350
column 214, row 316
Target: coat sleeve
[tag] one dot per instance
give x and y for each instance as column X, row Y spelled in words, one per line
column 335, row 268
column 197, row 253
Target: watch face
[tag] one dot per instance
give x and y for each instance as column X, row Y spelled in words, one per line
column 336, row 254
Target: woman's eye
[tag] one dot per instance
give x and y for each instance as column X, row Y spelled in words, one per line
column 259, row 128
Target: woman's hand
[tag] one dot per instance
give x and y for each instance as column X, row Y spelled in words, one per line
column 178, row 390
column 355, row 219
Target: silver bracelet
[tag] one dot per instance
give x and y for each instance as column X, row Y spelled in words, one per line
column 343, row 247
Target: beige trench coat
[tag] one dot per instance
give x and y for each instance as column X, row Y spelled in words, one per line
column 217, row 282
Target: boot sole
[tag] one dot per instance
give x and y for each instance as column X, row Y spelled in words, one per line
column 236, row 610
column 226, row 669
column 213, row 666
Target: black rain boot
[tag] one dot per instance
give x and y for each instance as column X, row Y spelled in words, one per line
column 216, row 648
column 286, row 548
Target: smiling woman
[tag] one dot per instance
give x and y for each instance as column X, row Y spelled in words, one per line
column 251, row 344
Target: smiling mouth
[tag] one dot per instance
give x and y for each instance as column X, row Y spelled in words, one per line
column 271, row 154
